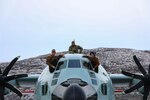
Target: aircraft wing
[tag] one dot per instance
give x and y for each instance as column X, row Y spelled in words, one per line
column 120, row 81
column 29, row 81
column 120, row 78
column 117, row 79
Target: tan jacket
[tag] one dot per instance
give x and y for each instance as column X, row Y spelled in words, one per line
column 95, row 62
column 51, row 60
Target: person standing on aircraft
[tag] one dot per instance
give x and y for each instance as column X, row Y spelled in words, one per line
column 94, row 61
column 75, row 48
column 52, row 60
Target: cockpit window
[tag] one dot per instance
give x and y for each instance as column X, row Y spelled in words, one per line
column 74, row 64
column 61, row 65
column 86, row 64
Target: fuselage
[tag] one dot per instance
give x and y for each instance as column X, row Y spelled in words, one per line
column 74, row 79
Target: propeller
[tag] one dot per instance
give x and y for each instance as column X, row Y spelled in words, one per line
column 144, row 79
column 4, row 79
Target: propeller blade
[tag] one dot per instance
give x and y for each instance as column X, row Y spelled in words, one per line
column 6, row 71
column 9, row 78
column 139, row 65
column 132, row 75
column 12, row 88
column 0, row 71
column 146, row 92
column 149, row 69
column 137, row 86
column 1, row 93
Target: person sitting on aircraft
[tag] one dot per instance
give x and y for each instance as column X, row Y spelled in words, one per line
column 52, row 60
column 75, row 48
column 94, row 61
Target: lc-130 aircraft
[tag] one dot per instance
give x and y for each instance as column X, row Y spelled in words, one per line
column 73, row 79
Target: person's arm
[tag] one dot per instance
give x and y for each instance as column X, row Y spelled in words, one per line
column 59, row 56
column 87, row 56
column 79, row 47
column 48, row 61
column 96, row 62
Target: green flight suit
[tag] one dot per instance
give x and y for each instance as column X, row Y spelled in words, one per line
column 75, row 49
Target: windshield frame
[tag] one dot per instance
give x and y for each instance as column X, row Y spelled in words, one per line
column 64, row 63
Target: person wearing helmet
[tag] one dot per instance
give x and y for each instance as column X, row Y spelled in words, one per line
column 75, row 48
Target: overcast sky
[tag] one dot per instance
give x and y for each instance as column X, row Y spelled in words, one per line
column 33, row 27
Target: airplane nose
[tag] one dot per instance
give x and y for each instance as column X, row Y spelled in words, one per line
column 74, row 92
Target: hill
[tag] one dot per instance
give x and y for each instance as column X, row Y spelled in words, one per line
column 112, row 59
